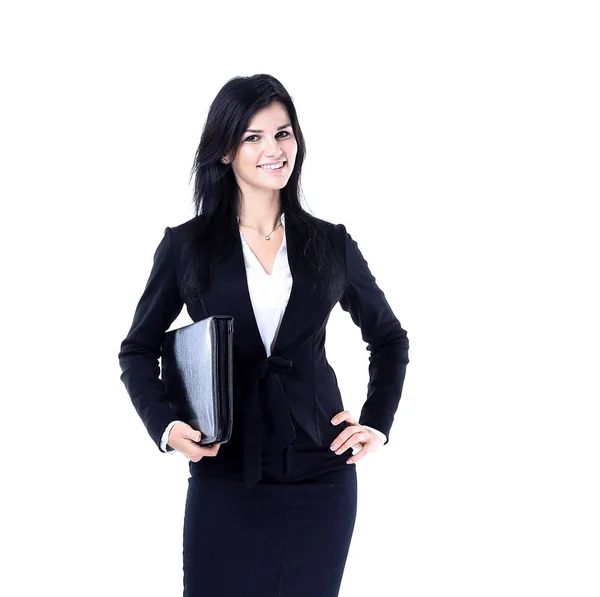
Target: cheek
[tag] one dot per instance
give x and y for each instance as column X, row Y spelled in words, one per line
column 292, row 152
column 246, row 160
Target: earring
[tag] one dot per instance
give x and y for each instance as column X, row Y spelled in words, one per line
column 224, row 160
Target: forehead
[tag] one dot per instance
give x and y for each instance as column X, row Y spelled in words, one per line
column 270, row 116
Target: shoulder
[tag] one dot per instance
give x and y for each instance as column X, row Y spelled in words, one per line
column 334, row 231
column 185, row 229
column 336, row 235
column 181, row 235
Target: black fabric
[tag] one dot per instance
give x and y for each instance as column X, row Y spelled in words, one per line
column 309, row 387
column 289, row 536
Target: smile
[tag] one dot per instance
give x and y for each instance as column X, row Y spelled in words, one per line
column 277, row 166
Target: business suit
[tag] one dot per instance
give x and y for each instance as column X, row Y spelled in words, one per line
column 283, row 404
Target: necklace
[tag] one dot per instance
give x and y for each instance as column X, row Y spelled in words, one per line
column 267, row 236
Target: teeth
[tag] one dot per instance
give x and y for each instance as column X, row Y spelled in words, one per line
column 273, row 166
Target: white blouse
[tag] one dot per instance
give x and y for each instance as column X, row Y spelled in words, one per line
column 269, row 294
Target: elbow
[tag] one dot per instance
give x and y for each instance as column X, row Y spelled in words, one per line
column 393, row 348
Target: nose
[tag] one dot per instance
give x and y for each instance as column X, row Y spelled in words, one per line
column 274, row 150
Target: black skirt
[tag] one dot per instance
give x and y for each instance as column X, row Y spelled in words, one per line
column 288, row 535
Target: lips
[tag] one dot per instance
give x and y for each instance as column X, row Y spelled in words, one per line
column 282, row 162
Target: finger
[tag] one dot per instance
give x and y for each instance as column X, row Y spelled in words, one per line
column 212, row 450
column 347, row 439
column 338, row 418
column 193, row 434
column 356, row 443
column 356, row 448
column 345, row 415
column 205, row 450
column 196, row 453
column 359, row 455
column 191, row 448
column 343, row 437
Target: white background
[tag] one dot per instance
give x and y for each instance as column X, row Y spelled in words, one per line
column 459, row 144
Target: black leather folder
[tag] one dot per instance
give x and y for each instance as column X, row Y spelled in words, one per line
column 196, row 370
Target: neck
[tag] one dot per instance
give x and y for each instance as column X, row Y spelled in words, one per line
column 262, row 212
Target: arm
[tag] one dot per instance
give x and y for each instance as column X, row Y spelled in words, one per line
column 156, row 310
column 386, row 339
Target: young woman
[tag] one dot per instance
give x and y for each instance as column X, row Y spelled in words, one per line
column 272, row 511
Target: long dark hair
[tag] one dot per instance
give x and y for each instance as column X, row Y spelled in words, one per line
column 216, row 191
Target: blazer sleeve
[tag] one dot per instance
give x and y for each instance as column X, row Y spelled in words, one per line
column 386, row 340
column 156, row 310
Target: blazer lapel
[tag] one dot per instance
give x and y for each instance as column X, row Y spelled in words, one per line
column 300, row 292
column 230, row 295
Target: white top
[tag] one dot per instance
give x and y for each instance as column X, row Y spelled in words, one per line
column 269, row 294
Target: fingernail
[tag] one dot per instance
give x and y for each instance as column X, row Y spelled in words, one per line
column 334, row 421
column 334, row 446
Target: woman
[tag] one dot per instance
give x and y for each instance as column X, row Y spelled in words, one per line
column 272, row 511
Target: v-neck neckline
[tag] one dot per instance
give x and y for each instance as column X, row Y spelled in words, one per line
column 230, row 293
column 295, row 270
column 257, row 260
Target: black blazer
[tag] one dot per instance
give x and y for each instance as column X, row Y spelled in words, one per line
column 295, row 385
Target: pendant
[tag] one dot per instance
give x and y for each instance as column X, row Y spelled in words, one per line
column 267, row 237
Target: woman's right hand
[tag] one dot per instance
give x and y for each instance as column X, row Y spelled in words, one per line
column 183, row 438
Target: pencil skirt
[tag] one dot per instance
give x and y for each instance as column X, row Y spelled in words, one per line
column 289, row 535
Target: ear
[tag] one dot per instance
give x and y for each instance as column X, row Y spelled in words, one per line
column 228, row 157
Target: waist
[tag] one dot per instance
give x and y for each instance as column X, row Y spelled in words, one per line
column 301, row 436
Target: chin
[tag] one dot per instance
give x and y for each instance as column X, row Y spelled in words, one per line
column 276, row 184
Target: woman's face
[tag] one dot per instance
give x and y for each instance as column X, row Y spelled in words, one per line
column 268, row 139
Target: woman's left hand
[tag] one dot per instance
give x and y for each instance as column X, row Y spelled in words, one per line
column 354, row 436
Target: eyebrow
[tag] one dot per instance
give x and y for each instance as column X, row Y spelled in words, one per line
column 259, row 131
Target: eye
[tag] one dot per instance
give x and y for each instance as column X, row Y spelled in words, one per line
column 285, row 133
